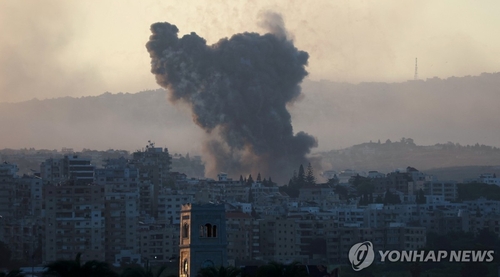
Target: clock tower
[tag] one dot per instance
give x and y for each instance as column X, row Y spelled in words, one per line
column 203, row 240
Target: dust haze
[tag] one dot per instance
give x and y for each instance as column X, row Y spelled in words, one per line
column 37, row 59
column 363, row 51
column 458, row 109
column 59, row 48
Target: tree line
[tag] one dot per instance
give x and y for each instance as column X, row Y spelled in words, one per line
column 299, row 180
column 75, row 268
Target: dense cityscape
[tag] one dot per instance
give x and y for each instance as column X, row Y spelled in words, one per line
column 249, row 138
column 128, row 211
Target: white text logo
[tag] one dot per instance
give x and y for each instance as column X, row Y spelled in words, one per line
column 361, row 255
column 437, row 256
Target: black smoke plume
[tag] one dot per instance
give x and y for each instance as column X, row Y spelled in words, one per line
column 238, row 90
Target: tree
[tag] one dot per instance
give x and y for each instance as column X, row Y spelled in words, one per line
column 391, row 198
column 333, row 181
column 291, row 190
column 276, row 269
column 420, row 197
column 410, row 142
column 250, row 180
column 143, row 271
column 5, row 255
column 294, row 178
column 264, row 182
column 309, row 179
column 472, row 191
column 12, row 273
column 474, row 269
column 415, row 269
column 362, row 184
column 258, row 178
column 74, row 268
column 485, row 238
column 301, row 177
column 341, row 191
column 222, row 271
column 362, row 200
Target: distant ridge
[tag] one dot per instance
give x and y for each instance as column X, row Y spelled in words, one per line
column 448, row 161
column 458, row 109
column 122, row 120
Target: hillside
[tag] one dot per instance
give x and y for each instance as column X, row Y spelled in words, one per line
column 459, row 109
column 448, row 161
column 123, row 121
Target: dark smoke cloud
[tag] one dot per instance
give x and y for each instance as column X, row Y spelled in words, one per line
column 273, row 22
column 238, row 90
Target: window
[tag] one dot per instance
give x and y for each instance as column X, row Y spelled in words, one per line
column 185, row 231
column 208, row 230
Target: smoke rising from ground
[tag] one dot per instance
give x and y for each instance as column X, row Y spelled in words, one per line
column 238, row 90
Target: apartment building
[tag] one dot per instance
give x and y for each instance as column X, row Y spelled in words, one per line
column 242, row 238
column 170, row 203
column 8, row 182
column 72, row 167
column 316, row 193
column 121, row 207
column 446, row 189
column 74, row 222
column 20, row 210
column 159, row 242
column 154, row 167
column 339, row 240
column 278, row 239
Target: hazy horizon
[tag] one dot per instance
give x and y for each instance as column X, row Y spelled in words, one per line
column 460, row 110
column 305, row 81
column 56, row 48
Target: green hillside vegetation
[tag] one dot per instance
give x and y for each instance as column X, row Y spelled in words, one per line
column 472, row 191
column 387, row 156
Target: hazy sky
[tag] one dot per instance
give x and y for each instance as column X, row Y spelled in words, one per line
column 62, row 48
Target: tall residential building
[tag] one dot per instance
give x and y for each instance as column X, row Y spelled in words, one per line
column 20, row 210
column 71, row 167
column 278, row 239
column 170, row 203
column 242, row 238
column 74, row 222
column 8, row 182
column 121, row 207
column 159, row 242
column 448, row 190
column 339, row 240
column 154, row 166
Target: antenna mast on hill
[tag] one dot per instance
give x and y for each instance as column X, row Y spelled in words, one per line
column 416, row 70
